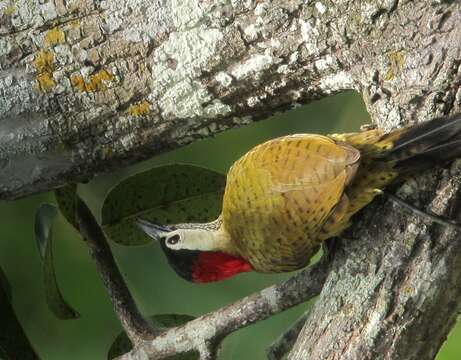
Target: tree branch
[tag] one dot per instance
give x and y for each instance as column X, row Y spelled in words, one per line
column 85, row 89
column 134, row 324
column 207, row 331
column 394, row 291
column 108, row 83
column 285, row 342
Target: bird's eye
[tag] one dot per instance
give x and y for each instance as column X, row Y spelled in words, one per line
column 173, row 240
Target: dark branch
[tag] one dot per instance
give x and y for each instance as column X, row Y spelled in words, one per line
column 204, row 334
column 134, row 324
column 285, row 342
column 207, row 331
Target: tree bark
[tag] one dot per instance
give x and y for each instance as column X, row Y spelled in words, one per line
column 395, row 288
column 87, row 86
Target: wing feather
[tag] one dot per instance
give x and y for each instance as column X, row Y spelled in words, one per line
column 279, row 195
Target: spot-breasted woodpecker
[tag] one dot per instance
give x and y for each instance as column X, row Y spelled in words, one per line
column 287, row 195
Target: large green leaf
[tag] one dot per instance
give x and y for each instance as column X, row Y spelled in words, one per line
column 163, row 195
column 44, row 219
column 122, row 344
column 65, row 197
column 13, row 342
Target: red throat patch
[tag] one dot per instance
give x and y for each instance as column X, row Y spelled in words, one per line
column 215, row 266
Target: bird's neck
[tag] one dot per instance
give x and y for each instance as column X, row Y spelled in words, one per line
column 221, row 260
column 222, row 241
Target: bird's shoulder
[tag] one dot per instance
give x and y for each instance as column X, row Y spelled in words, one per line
column 306, row 158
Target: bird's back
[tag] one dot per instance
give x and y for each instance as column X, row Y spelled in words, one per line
column 286, row 196
column 280, row 194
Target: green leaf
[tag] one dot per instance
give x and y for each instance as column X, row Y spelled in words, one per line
column 44, row 219
column 165, row 195
column 122, row 344
column 13, row 341
column 65, row 197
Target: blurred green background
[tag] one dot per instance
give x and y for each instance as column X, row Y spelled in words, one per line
column 156, row 288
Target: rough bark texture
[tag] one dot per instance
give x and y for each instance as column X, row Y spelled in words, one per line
column 89, row 85
column 135, row 325
column 394, row 291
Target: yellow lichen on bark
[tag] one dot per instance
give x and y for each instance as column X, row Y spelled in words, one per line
column 54, row 36
column 74, row 24
column 44, row 62
column 395, row 65
column 44, row 66
column 139, row 109
column 95, row 83
column 78, row 82
column 45, row 81
column 10, row 10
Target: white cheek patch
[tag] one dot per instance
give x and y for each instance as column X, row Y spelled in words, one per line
column 196, row 239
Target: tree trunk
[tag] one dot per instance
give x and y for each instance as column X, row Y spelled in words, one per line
column 394, row 291
column 87, row 86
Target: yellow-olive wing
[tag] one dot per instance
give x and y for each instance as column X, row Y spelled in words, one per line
column 279, row 195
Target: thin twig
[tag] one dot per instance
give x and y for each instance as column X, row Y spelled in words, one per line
column 134, row 324
column 212, row 328
column 285, row 342
column 204, row 334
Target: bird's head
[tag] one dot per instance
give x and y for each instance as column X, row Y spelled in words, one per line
column 196, row 251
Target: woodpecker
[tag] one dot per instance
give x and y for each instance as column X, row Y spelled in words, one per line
column 286, row 196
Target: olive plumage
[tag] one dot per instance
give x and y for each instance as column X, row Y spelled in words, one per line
column 287, row 195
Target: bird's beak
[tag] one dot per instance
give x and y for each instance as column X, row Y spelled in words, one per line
column 154, row 231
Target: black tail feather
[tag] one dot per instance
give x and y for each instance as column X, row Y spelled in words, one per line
column 437, row 155
column 427, row 134
column 424, row 145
